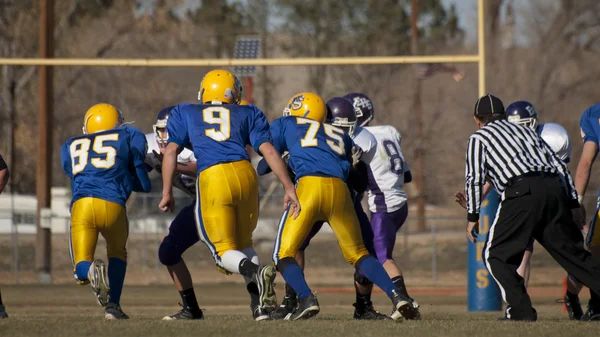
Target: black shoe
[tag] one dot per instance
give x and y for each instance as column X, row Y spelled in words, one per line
column 368, row 313
column 287, row 307
column 403, row 307
column 307, row 307
column 573, row 306
column 114, row 311
column 591, row 314
column 185, row 314
column 260, row 314
column 532, row 318
column 3, row 313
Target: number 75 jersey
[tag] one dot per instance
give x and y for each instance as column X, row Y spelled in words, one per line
column 386, row 171
column 103, row 164
column 316, row 149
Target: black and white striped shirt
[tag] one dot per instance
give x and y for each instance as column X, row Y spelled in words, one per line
column 502, row 150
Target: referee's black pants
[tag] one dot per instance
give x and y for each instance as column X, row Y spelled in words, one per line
column 535, row 207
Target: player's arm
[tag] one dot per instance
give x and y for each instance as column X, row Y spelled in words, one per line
column 138, row 146
column 178, row 138
column 4, row 174
column 65, row 159
column 584, row 167
column 260, row 139
column 474, row 178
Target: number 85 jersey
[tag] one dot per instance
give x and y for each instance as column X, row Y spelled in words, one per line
column 386, row 171
column 103, row 164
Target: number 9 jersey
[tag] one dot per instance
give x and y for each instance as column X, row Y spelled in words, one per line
column 103, row 164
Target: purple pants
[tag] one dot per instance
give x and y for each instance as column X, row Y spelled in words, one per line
column 183, row 234
column 385, row 225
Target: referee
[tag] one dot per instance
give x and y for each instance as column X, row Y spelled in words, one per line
column 537, row 197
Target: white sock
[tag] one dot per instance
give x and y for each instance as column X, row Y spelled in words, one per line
column 231, row 260
column 253, row 257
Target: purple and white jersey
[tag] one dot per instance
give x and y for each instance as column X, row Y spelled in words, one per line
column 557, row 138
column 367, row 143
column 185, row 183
column 386, row 171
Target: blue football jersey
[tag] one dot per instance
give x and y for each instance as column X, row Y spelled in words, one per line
column 103, row 164
column 217, row 133
column 590, row 124
column 315, row 149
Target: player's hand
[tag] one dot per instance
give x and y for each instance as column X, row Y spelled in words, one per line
column 291, row 200
column 357, row 152
column 461, row 199
column 167, row 204
column 472, row 231
column 579, row 217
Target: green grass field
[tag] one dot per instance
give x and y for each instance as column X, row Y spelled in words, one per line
column 72, row 311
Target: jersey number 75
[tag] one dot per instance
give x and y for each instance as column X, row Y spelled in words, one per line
column 336, row 143
column 80, row 149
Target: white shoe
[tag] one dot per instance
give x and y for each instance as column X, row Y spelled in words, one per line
column 99, row 283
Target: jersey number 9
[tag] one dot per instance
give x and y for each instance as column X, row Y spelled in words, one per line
column 217, row 115
column 80, row 152
column 336, row 143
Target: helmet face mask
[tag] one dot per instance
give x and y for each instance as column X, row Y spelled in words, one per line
column 160, row 127
column 522, row 113
column 342, row 113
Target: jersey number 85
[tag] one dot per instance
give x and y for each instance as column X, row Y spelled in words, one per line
column 80, row 149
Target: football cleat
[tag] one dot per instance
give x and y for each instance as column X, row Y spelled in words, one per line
column 368, row 313
column 260, row 314
column 113, row 311
column 287, row 306
column 185, row 314
column 264, row 279
column 98, row 281
column 3, row 313
column 403, row 307
column 591, row 314
column 307, row 307
column 573, row 306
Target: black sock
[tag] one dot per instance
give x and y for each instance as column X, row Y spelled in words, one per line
column 289, row 291
column 248, row 268
column 253, row 291
column 399, row 283
column 0, row 298
column 594, row 300
column 188, row 297
column 362, row 301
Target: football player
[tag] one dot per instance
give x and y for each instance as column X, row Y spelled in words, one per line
column 590, row 132
column 182, row 231
column 388, row 202
column 226, row 210
column 321, row 157
column 4, row 175
column 105, row 164
column 525, row 114
column 341, row 113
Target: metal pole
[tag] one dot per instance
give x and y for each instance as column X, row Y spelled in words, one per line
column 419, row 161
column 481, row 45
column 44, row 155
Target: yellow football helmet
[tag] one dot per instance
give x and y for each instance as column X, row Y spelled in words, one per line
column 243, row 101
column 101, row 117
column 220, row 85
column 307, row 105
